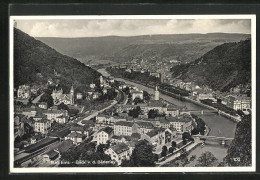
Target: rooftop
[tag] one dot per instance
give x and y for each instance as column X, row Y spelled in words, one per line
column 155, row 132
column 75, row 135
column 107, row 130
column 124, row 123
column 119, row 148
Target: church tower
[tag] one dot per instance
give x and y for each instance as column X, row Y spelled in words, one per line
column 156, row 94
column 101, row 80
column 72, row 95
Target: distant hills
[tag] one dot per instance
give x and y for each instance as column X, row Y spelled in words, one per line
column 36, row 63
column 222, row 68
column 183, row 47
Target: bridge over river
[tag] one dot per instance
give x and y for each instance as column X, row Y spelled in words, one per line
column 222, row 140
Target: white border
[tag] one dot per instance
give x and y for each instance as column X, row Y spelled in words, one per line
column 135, row 169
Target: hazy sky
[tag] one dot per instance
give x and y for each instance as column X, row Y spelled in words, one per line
column 119, row 27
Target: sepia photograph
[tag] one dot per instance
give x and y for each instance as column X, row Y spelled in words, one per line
column 132, row 93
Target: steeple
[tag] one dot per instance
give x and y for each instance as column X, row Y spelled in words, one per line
column 72, row 95
column 156, row 94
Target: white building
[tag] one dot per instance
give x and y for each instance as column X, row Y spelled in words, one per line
column 119, row 152
column 104, row 135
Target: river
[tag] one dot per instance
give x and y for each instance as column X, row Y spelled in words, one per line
column 219, row 125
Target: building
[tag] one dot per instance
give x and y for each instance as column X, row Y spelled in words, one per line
column 144, row 127
column 156, row 94
column 92, row 85
column 29, row 112
column 51, row 155
column 24, row 92
column 238, row 103
column 101, row 80
column 79, row 96
column 204, row 94
column 137, row 94
column 43, row 105
column 155, row 137
column 52, row 114
column 125, row 128
column 75, row 137
column 59, row 97
column 119, row 152
column 42, row 126
column 62, row 119
column 104, row 135
column 80, row 129
column 172, row 111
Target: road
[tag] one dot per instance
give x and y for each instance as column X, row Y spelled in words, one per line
column 97, row 112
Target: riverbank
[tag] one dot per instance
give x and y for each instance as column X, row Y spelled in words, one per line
column 183, row 98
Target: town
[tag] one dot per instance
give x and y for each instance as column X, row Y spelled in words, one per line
column 49, row 127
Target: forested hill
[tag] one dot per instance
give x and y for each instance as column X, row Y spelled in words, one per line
column 182, row 47
column 222, row 68
column 35, row 63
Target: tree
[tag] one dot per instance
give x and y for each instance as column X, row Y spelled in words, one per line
column 240, row 151
column 142, row 155
column 101, row 148
column 153, row 113
column 207, row 159
column 63, row 106
column 174, row 144
column 171, row 149
column 47, row 98
column 138, row 100
column 164, row 151
column 135, row 112
column 186, row 136
column 146, row 96
column 194, row 131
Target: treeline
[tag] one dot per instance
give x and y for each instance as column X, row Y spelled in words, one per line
column 36, row 63
column 134, row 75
column 224, row 67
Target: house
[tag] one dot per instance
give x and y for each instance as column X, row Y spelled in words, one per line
column 24, row 92
column 137, row 94
column 204, row 94
column 144, row 127
column 118, row 153
column 52, row 114
column 92, row 85
column 103, row 135
column 182, row 123
column 155, row 137
column 75, row 137
column 239, row 103
column 42, row 126
column 79, row 96
column 96, row 95
column 79, row 129
column 43, row 105
column 119, row 139
column 51, row 155
column 172, row 111
column 125, row 128
column 62, row 119
column 29, row 112
column 33, row 140
column 59, row 97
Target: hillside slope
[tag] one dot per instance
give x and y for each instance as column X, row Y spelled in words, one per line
column 222, row 68
column 35, row 63
column 183, row 47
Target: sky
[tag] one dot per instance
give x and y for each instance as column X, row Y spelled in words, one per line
column 127, row 27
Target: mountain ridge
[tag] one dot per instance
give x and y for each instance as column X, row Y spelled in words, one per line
column 36, row 63
column 224, row 67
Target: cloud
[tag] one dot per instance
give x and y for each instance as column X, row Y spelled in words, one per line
column 130, row 27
